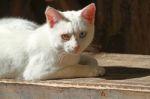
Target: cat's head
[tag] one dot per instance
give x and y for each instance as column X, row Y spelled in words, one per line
column 71, row 31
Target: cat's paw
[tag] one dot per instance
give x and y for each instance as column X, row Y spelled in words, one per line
column 97, row 71
column 101, row 71
column 27, row 77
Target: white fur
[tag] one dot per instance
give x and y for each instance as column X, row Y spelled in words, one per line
column 17, row 23
column 33, row 52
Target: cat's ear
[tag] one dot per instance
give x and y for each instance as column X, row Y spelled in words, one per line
column 53, row 16
column 88, row 13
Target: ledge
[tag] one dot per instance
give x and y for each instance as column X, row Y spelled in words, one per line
column 127, row 77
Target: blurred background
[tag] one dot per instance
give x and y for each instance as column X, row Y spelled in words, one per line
column 122, row 26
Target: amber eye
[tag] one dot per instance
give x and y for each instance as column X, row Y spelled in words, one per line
column 65, row 37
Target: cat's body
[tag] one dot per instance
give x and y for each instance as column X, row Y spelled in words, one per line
column 18, row 24
column 34, row 52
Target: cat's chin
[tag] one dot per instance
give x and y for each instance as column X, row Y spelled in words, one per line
column 71, row 52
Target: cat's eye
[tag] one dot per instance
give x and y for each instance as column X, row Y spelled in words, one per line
column 65, row 37
column 82, row 34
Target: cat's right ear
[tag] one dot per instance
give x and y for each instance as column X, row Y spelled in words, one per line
column 52, row 16
column 88, row 13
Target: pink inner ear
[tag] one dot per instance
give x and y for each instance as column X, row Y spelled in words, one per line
column 88, row 12
column 53, row 16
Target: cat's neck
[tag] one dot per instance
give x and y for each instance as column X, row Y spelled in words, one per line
column 43, row 28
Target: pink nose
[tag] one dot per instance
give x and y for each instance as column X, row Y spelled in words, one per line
column 77, row 48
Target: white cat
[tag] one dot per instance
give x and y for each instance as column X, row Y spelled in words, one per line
column 50, row 51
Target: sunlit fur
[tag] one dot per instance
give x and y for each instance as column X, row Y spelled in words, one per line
column 33, row 52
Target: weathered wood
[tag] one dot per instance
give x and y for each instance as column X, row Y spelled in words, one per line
column 125, row 67
column 128, row 76
column 123, row 26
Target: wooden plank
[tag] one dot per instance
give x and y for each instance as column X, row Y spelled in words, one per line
column 123, row 26
column 128, row 76
column 125, row 67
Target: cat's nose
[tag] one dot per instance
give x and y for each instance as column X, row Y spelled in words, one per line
column 76, row 48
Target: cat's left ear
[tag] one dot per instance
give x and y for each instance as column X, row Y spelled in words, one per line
column 88, row 13
column 53, row 16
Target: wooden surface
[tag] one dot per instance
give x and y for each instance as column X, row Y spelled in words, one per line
column 127, row 77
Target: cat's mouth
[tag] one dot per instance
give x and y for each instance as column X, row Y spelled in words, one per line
column 75, row 50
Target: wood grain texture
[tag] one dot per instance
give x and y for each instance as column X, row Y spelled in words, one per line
column 123, row 26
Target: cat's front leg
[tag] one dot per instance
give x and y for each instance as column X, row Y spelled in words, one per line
column 36, row 72
column 38, row 68
column 78, row 70
column 66, row 72
column 88, row 60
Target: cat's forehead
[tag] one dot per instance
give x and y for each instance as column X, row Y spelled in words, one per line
column 71, row 14
column 75, row 21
